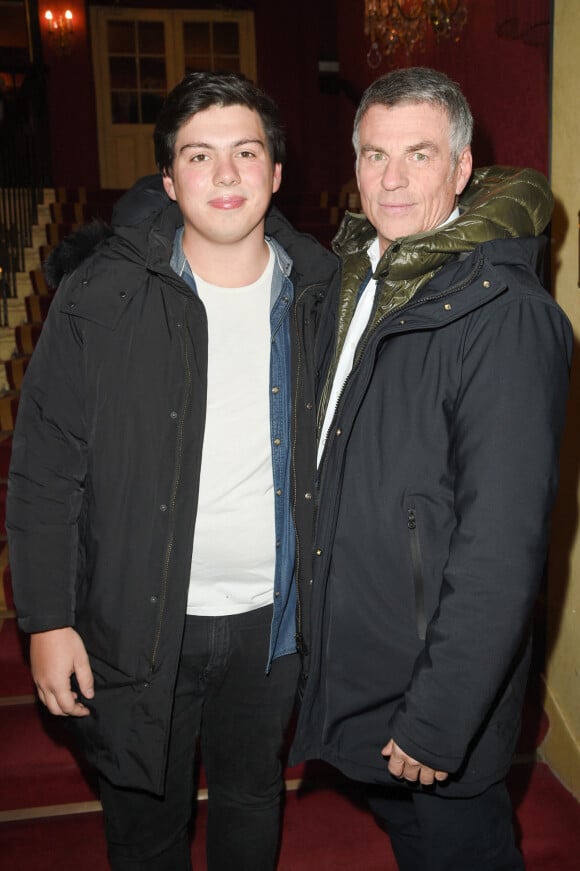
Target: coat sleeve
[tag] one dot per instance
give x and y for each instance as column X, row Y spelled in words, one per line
column 47, row 477
column 508, row 422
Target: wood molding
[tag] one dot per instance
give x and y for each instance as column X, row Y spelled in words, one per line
column 560, row 749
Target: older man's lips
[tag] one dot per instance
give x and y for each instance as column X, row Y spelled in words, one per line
column 394, row 207
column 227, row 202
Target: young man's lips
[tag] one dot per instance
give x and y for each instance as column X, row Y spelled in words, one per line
column 227, row 202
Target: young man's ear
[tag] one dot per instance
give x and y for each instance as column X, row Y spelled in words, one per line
column 168, row 185
column 277, row 180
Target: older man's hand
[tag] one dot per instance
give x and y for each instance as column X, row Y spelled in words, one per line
column 402, row 765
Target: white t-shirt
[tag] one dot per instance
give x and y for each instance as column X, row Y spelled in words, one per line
column 234, row 545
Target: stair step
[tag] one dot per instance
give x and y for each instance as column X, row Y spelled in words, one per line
column 15, row 677
column 39, row 763
column 14, row 371
column 27, row 336
column 8, row 409
column 16, row 310
column 6, row 596
column 37, row 306
column 37, row 280
column 7, row 343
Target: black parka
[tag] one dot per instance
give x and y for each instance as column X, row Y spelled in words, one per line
column 436, row 487
column 105, row 471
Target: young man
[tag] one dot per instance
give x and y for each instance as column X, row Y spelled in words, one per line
column 439, row 430
column 165, row 423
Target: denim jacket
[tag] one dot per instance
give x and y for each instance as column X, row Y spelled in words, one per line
column 283, row 633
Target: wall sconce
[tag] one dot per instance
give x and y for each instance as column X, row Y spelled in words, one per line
column 60, row 29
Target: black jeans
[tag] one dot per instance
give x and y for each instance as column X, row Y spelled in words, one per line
column 429, row 833
column 241, row 714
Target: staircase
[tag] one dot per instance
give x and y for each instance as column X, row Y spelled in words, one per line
column 40, row 773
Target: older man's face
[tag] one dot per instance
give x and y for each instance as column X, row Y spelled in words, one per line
column 407, row 179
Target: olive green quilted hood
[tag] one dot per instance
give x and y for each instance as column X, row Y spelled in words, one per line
column 499, row 203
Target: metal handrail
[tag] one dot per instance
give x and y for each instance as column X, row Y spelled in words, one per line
column 22, row 181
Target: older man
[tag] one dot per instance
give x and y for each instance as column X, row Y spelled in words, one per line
column 440, row 422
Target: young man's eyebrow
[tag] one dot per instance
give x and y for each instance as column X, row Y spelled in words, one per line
column 209, row 147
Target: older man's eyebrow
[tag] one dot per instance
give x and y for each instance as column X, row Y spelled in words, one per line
column 423, row 145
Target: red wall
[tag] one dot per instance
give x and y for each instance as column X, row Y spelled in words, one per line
column 506, row 82
column 71, row 103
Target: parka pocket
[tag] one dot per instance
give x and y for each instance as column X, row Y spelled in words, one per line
column 417, row 569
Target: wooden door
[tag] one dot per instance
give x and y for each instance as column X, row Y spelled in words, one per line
column 138, row 56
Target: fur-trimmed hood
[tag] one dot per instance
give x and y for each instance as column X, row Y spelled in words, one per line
column 73, row 250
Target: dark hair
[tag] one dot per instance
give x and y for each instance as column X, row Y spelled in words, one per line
column 420, row 85
column 201, row 90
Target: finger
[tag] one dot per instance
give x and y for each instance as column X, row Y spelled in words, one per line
column 441, row 776
column 396, row 766
column 53, row 705
column 69, row 706
column 388, row 748
column 427, row 777
column 412, row 772
column 84, row 677
column 66, row 707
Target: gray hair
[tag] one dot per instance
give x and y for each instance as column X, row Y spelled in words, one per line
column 420, row 85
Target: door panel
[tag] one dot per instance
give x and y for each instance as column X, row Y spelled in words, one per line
column 138, row 56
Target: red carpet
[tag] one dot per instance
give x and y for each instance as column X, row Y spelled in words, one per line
column 15, row 678
column 324, row 830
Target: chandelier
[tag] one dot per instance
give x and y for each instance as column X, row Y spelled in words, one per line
column 402, row 24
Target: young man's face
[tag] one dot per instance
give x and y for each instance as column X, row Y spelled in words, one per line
column 222, row 175
column 406, row 176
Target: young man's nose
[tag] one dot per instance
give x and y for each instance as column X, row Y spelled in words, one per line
column 226, row 171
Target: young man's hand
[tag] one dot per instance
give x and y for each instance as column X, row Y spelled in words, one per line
column 403, row 765
column 54, row 657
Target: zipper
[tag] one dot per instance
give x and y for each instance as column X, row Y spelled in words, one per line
column 174, row 490
column 300, row 645
column 417, row 567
